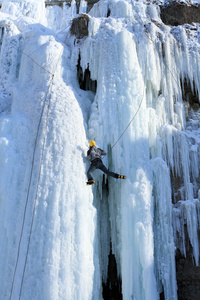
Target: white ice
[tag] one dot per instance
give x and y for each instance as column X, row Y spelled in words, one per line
column 55, row 231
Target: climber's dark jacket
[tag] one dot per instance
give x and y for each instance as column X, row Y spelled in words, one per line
column 95, row 153
column 94, row 156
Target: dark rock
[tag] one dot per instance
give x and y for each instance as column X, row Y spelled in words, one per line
column 188, row 277
column 85, row 81
column 179, row 13
column 188, row 93
column 79, row 26
column 190, row 97
column 112, row 289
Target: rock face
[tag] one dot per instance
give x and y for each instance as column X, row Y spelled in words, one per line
column 79, row 26
column 179, row 13
column 112, row 290
column 188, row 277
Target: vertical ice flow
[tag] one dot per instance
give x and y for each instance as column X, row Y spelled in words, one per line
column 139, row 60
column 61, row 254
column 140, row 66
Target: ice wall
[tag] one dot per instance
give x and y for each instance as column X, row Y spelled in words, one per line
column 55, row 232
column 136, row 58
column 47, row 218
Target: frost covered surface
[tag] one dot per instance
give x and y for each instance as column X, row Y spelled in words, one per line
column 61, row 253
column 138, row 63
column 30, row 8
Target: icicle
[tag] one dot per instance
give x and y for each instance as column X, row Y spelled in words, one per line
column 163, row 233
column 187, row 213
column 83, row 7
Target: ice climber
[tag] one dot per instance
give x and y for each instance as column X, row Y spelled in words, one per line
column 94, row 156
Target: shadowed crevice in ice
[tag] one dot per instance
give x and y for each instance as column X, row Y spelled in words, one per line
column 84, row 78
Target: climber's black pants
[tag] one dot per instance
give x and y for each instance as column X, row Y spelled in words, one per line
column 98, row 164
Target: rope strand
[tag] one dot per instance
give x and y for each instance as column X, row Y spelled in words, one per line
column 39, row 175
column 49, row 91
column 130, row 120
column 27, row 197
column 33, row 215
column 31, row 59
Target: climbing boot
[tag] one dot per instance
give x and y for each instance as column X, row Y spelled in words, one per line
column 121, row 176
column 90, row 182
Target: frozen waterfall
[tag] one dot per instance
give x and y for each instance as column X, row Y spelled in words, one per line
column 57, row 233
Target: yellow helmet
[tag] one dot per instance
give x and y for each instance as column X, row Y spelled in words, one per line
column 92, row 143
